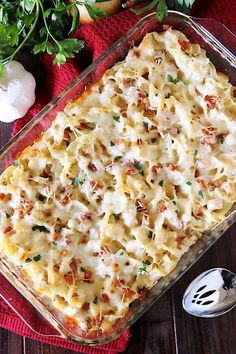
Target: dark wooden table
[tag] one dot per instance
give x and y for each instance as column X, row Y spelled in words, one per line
column 165, row 328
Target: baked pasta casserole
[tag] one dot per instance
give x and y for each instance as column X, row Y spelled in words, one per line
column 124, row 181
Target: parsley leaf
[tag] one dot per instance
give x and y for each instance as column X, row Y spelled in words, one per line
column 116, row 118
column 175, row 81
column 189, row 183
column 138, row 166
column 95, row 301
column 117, row 158
column 40, row 228
column 111, row 143
column 77, row 181
column 37, row 258
column 161, row 183
column 16, row 163
column 28, row 260
column 200, row 193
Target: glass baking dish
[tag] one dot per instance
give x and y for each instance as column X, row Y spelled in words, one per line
column 209, row 34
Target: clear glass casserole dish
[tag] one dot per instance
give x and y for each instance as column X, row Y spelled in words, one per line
column 201, row 31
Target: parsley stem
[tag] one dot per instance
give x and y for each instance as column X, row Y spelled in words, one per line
column 36, row 3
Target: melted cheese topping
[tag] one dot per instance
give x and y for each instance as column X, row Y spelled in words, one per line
column 123, row 182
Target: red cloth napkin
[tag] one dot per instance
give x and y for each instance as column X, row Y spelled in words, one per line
column 98, row 37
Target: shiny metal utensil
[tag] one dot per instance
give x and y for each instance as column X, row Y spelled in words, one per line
column 211, row 294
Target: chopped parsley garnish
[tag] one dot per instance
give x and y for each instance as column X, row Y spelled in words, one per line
column 150, row 234
column 116, row 118
column 77, row 181
column 189, row 183
column 7, row 215
column 111, row 143
column 176, row 210
column 153, row 140
column 175, row 81
column 37, row 258
column 82, row 269
column 138, row 166
column 145, row 124
column 16, row 163
column 200, row 193
column 161, row 183
column 168, row 95
column 195, row 152
column 40, row 228
column 28, row 260
column 222, row 139
column 54, row 243
column 141, row 172
column 95, row 301
column 121, row 254
column 117, row 158
column 41, row 197
column 174, row 202
column 143, row 268
column 112, row 188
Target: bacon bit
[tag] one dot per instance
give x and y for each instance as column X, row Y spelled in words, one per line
column 104, row 298
column 184, row 44
column 234, row 93
column 82, row 126
column 128, row 82
column 73, row 266
column 95, row 185
column 161, row 208
column 55, row 236
column 85, row 216
column 71, row 322
column 92, row 167
column 96, row 321
column 179, row 240
column 154, row 169
column 65, row 199
column 64, row 253
column 136, row 53
column 173, row 167
column 85, row 306
column 165, row 27
column 100, row 88
column 118, row 282
column 68, row 278
column 209, row 130
column 67, row 134
column 21, row 213
column 56, row 268
column 142, row 293
column 48, row 213
column 2, row 196
column 115, row 267
column 202, row 183
column 139, row 142
column 218, row 183
column 128, row 293
column 211, row 101
column 95, row 254
column 27, row 205
column 204, row 141
column 118, row 141
column 124, row 113
column 130, row 172
column 88, row 275
column 106, row 249
column 8, row 230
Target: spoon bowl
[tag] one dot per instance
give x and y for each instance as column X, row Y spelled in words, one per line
column 211, row 294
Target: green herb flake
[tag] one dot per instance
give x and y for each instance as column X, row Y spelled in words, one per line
column 95, row 301
column 37, row 258
column 111, row 188
column 111, row 143
column 147, row 262
column 174, row 202
column 150, row 234
column 138, row 166
column 41, row 197
column 168, row 95
column 16, row 163
column 161, row 183
column 76, row 181
column 189, row 183
column 200, row 193
column 7, row 215
column 40, row 228
column 145, row 124
column 141, row 172
column 222, row 139
column 195, row 152
column 28, row 260
column 117, row 158
column 54, row 243
column 175, row 81
column 116, row 118
column 176, row 210
column 82, row 269
column 121, row 254
column 143, row 267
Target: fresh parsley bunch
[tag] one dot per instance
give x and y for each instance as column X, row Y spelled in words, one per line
column 162, row 7
column 41, row 26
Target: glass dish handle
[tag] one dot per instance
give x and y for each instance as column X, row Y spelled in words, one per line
column 219, row 31
column 25, row 311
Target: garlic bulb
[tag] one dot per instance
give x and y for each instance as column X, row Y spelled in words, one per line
column 17, row 92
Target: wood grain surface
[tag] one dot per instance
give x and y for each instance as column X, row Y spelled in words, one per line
column 165, row 328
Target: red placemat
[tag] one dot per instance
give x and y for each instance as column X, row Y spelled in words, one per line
column 98, row 36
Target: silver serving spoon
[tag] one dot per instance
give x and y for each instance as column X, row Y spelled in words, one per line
column 211, row 294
